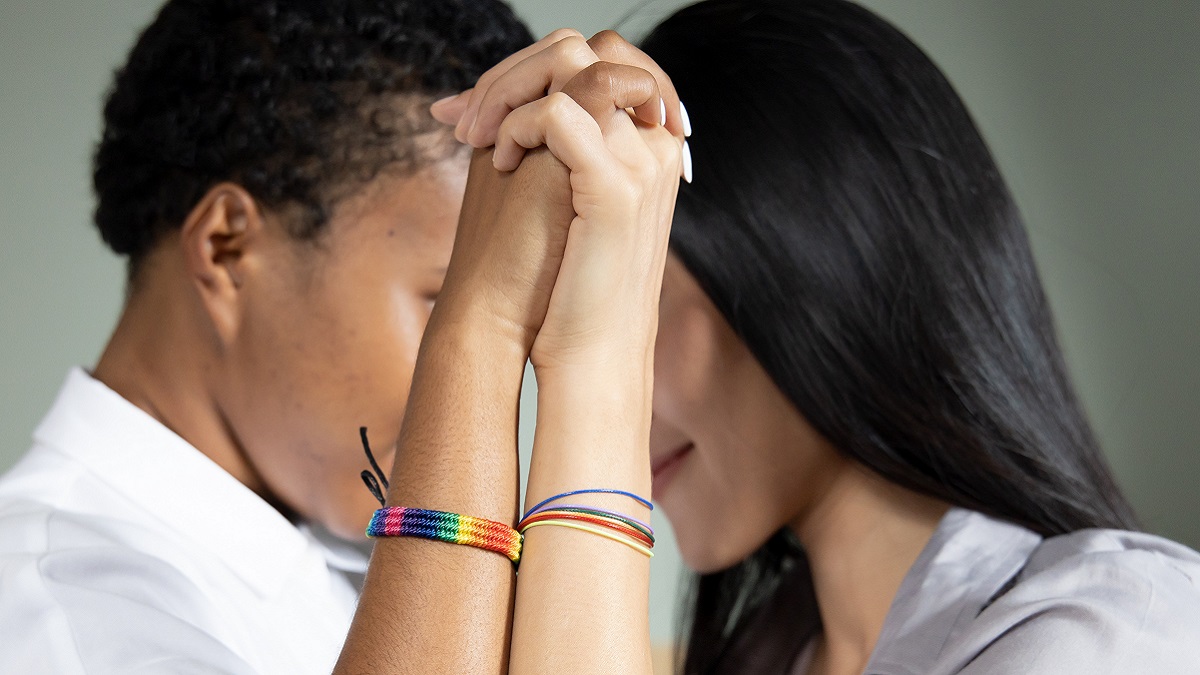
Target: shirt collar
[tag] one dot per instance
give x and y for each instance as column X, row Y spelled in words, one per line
column 172, row 481
column 966, row 563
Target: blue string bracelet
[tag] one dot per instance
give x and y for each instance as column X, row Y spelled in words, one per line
column 597, row 491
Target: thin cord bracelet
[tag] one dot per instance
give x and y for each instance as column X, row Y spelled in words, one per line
column 594, row 530
column 619, row 528
column 452, row 528
column 600, row 521
column 602, row 513
column 641, row 500
column 592, row 509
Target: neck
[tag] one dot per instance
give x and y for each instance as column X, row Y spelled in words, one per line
column 158, row 359
column 861, row 540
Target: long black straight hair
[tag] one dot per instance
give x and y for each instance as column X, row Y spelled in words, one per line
column 849, row 222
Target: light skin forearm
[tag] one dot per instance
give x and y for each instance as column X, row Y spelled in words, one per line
column 582, row 600
column 430, row 606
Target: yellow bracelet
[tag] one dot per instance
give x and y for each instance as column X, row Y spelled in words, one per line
column 594, row 530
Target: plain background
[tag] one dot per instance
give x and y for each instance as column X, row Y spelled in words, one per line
column 1092, row 108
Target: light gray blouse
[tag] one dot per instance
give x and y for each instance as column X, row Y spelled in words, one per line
column 986, row 596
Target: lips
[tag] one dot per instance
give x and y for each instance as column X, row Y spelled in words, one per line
column 663, row 468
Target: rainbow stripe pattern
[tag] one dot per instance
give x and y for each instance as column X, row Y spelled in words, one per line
column 452, row 528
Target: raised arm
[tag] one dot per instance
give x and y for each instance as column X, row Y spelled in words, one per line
column 581, row 598
column 431, row 607
column 440, row 608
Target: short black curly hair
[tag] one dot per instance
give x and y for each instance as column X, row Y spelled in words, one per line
column 298, row 101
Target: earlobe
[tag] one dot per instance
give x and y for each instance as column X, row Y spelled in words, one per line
column 217, row 238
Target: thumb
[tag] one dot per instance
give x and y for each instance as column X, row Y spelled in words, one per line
column 450, row 109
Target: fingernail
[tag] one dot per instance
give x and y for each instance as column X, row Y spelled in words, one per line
column 662, row 111
column 687, row 161
column 687, row 121
column 443, row 101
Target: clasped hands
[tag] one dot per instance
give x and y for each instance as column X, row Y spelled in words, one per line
column 563, row 236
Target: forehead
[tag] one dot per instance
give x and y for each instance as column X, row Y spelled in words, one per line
column 419, row 209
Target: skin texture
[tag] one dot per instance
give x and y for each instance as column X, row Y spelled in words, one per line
column 268, row 354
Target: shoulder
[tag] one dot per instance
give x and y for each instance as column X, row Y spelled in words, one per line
column 1123, row 575
column 83, row 594
column 1095, row 601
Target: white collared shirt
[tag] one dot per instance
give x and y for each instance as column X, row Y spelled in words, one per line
column 123, row 549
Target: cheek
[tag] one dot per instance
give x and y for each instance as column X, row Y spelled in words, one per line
column 710, row 497
column 754, row 462
column 686, row 363
column 320, row 367
column 370, row 336
column 730, row 497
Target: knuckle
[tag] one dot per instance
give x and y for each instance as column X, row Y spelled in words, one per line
column 506, row 128
column 628, row 189
column 562, row 34
column 649, row 171
column 602, row 75
column 585, row 81
column 666, row 148
column 608, row 42
column 558, row 106
column 576, row 51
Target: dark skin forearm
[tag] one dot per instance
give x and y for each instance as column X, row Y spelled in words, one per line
column 430, row 606
column 433, row 607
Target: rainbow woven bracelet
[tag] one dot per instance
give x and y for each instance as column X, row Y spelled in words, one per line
column 452, row 528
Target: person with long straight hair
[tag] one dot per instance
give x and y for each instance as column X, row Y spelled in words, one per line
column 864, row 432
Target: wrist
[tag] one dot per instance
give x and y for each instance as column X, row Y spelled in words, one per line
column 600, row 390
column 593, row 430
column 471, row 323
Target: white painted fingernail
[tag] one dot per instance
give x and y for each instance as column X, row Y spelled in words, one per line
column 687, row 121
column 687, row 162
column 662, row 111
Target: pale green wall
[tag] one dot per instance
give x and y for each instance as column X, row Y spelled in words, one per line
column 1090, row 107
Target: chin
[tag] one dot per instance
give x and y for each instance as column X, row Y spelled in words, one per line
column 703, row 555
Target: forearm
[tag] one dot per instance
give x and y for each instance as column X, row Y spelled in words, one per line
column 430, row 606
column 582, row 600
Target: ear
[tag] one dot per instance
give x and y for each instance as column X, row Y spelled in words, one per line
column 218, row 238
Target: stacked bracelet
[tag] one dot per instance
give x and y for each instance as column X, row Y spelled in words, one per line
column 608, row 524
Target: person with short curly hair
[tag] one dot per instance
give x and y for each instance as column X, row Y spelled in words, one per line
column 290, row 211
column 287, row 207
column 300, row 103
